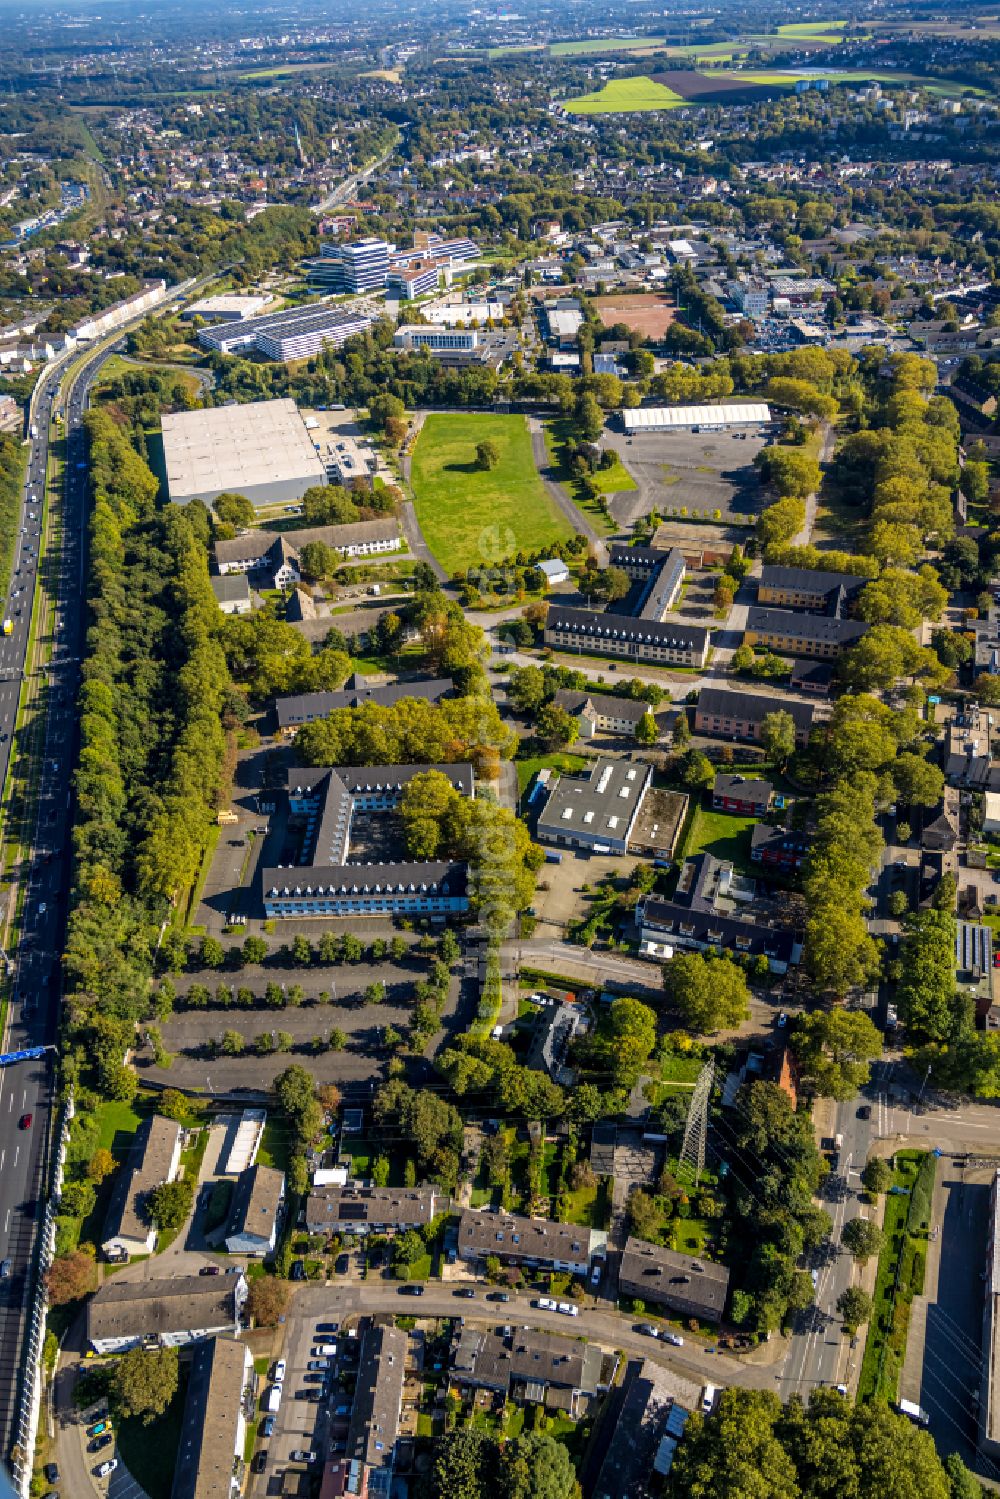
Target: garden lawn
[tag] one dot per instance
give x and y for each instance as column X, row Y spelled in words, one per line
column 612, row 480
column 472, row 516
column 150, row 1452
column 722, row 836
column 626, row 96
column 565, row 764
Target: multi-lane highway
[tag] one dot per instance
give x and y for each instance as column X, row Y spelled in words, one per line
column 40, row 880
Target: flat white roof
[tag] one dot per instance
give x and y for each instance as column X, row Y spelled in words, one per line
column 238, row 448
column 743, row 413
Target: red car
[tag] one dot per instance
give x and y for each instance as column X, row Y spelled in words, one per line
column 25, row 1121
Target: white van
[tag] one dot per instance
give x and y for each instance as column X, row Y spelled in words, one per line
column 708, row 1396
column 274, row 1398
column 568, row 1310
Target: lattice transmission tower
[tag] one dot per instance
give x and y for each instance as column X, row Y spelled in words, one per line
column 696, row 1124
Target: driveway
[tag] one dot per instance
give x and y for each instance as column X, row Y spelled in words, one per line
column 558, row 495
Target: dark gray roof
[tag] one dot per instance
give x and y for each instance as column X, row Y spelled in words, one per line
column 727, row 783
column 604, row 704
column 150, row 1308
column 378, row 1398
column 778, row 840
column 310, row 705
column 691, row 915
column 809, row 580
column 231, row 588
column 436, row 877
column 329, row 1209
column 656, row 1274
column 665, row 633
column 258, row 1196
column 494, row 1362
column 148, row 1165
column 608, row 791
column 508, row 1235
column 720, row 702
column 793, row 626
column 647, row 558
column 211, row 1428
column 631, row 1430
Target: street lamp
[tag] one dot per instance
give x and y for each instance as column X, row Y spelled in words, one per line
column 923, row 1085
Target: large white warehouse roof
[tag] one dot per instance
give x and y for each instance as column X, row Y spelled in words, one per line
column 656, row 418
column 243, row 448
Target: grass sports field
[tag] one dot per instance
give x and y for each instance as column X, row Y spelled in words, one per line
column 623, row 95
column 473, row 516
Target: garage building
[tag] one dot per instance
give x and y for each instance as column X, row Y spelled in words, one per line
column 260, row 449
column 667, row 418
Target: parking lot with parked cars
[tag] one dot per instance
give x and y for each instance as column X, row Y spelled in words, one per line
column 304, row 1405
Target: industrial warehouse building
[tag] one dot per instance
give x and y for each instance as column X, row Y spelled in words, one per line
column 596, row 810
column 677, row 418
column 260, row 449
column 295, row 334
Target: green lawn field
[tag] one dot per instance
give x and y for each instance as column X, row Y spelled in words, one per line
column 623, row 95
column 605, row 44
column 473, row 516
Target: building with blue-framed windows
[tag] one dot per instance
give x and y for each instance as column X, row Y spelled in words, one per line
column 343, row 822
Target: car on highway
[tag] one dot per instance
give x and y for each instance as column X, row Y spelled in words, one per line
column 25, row 1121
column 106, row 1469
column 411, row 1290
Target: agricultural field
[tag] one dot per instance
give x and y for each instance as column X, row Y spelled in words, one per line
column 626, row 96
column 646, row 313
column 604, row 44
column 473, row 516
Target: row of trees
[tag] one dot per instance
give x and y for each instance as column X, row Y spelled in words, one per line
column 151, row 771
column 839, row 953
column 753, row 1445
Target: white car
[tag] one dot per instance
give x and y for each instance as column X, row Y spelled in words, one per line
column 672, row 1337
column 324, row 1350
column 279, row 1371
column 568, row 1310
column 546, row 1305
column 106, row 1469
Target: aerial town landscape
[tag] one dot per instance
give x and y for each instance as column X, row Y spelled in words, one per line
column 500, row 748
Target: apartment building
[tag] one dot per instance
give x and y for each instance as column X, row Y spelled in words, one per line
column 622, row 636
column 740, row 715
column 790, row 634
